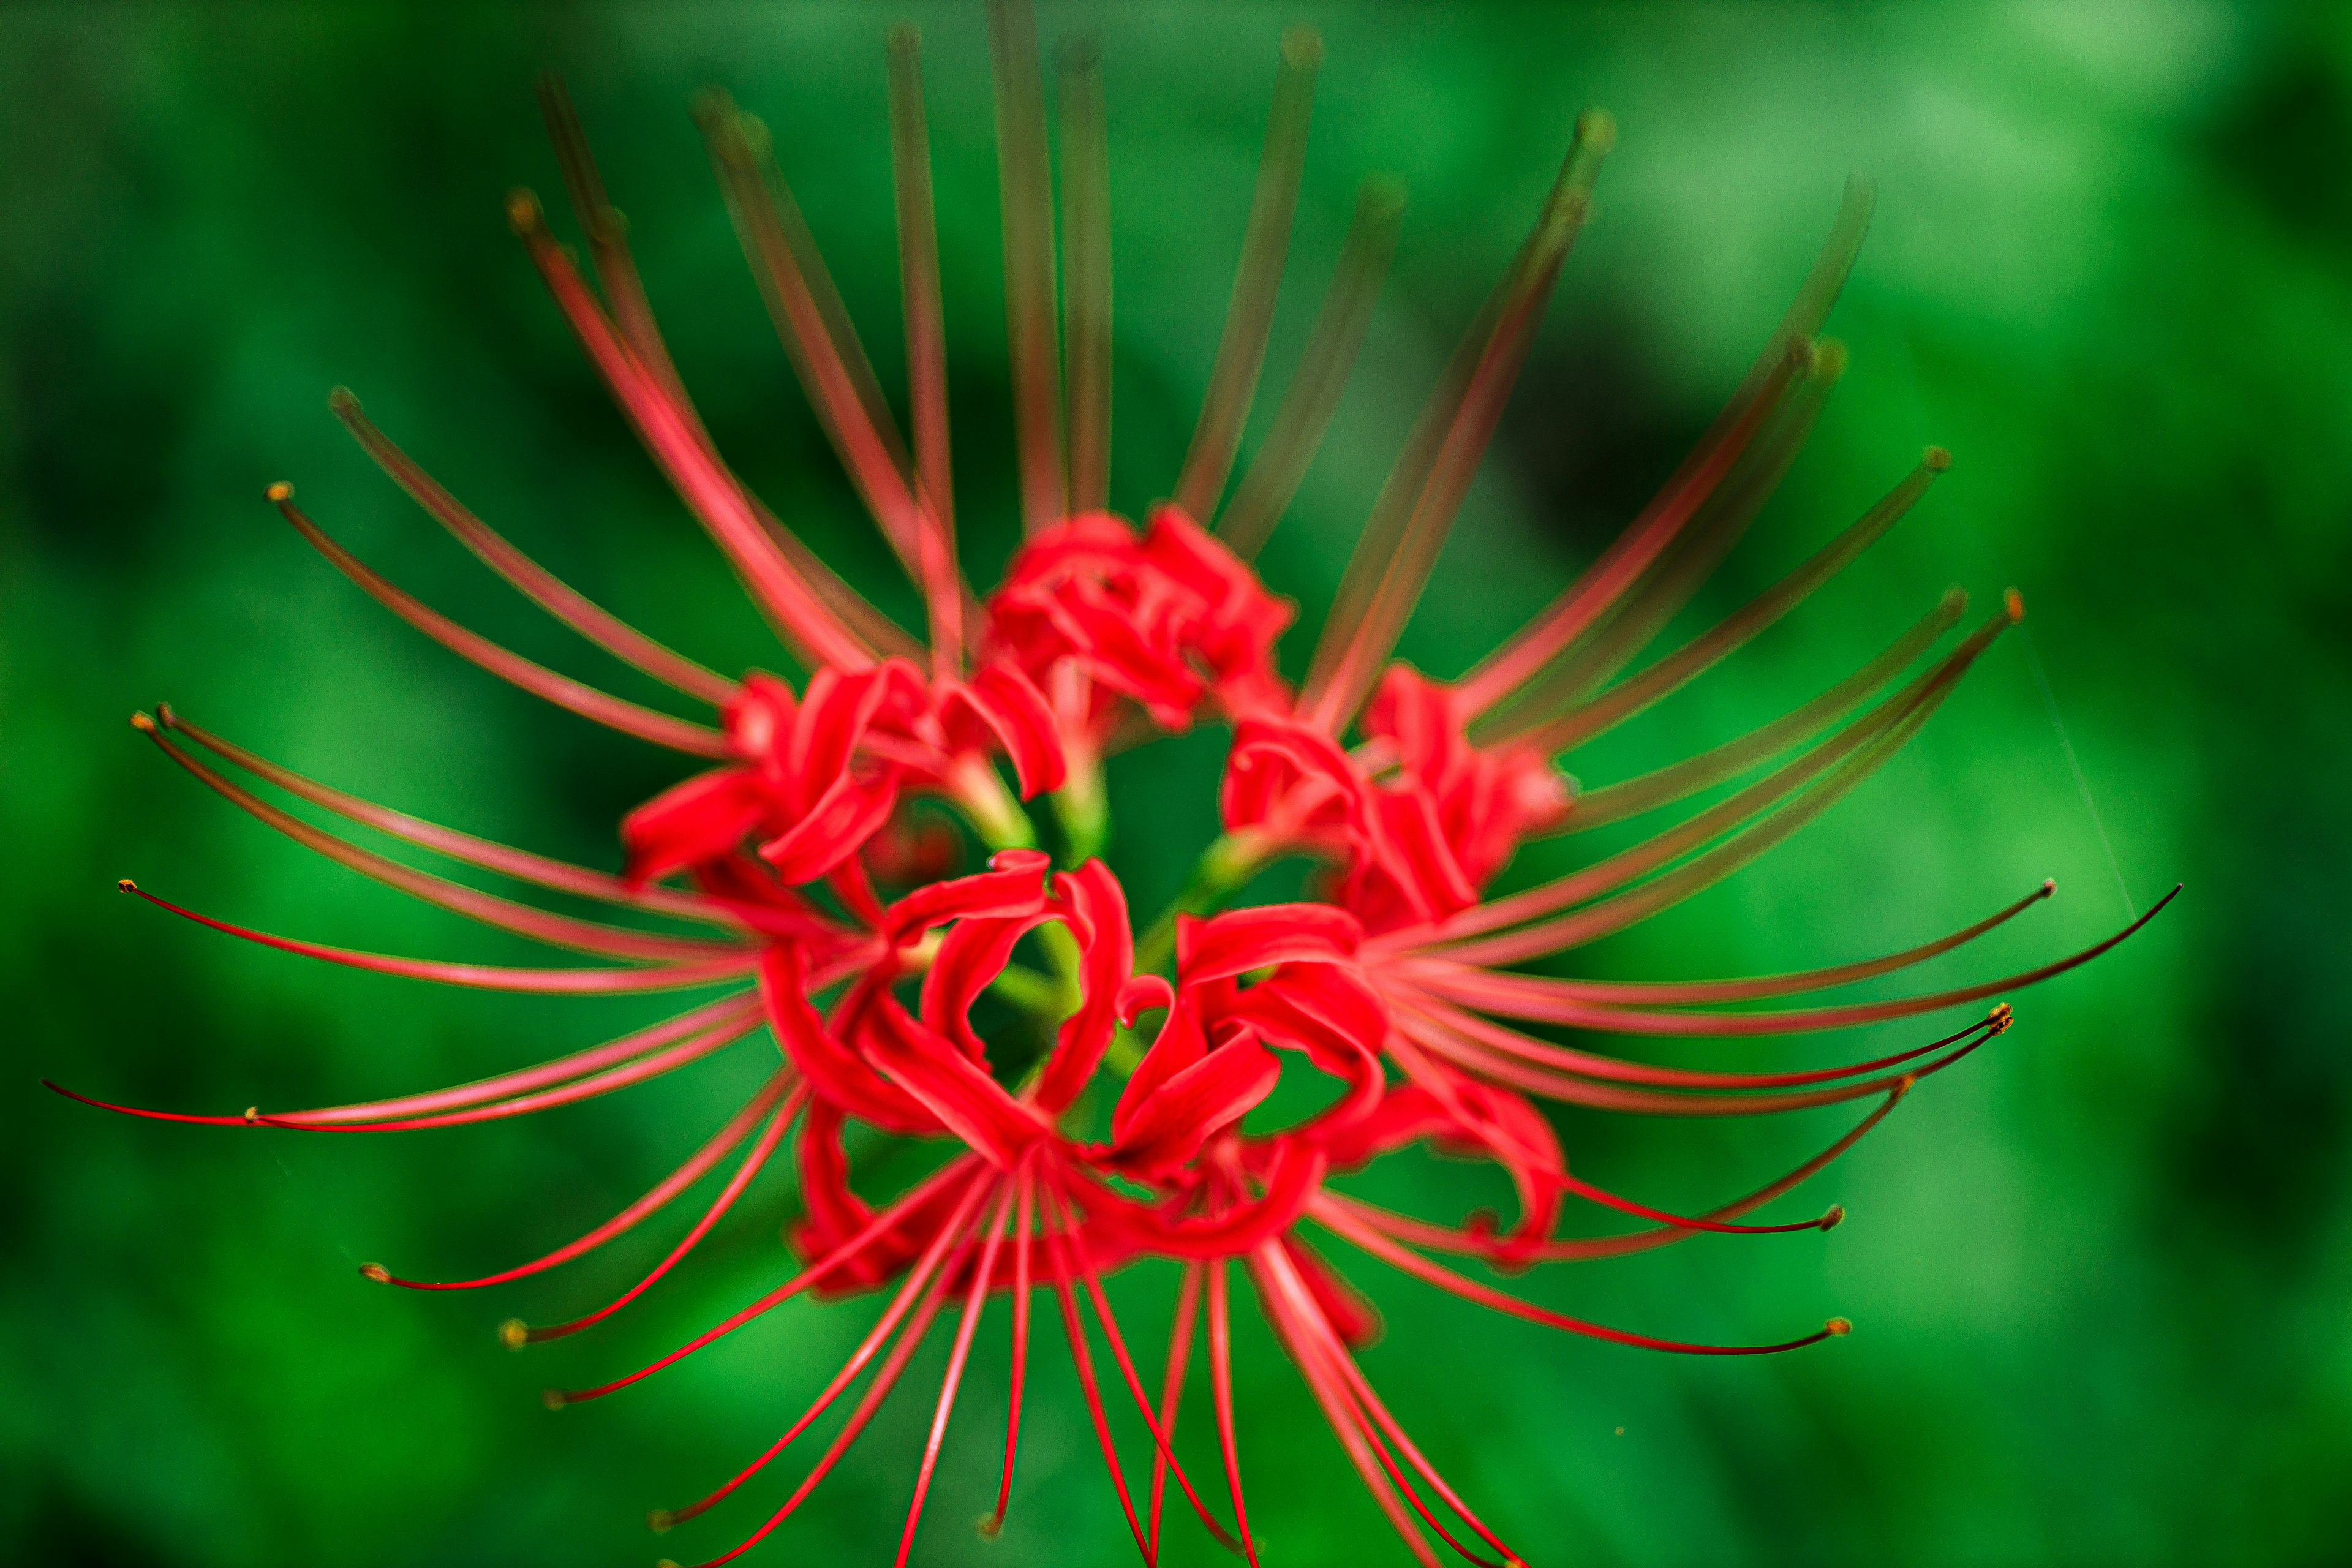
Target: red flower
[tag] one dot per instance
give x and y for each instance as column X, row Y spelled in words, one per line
column 1394, row 981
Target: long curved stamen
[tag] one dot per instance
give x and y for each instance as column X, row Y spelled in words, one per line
column 783, row 578
column 1171, row 1381
column 1504, row 1069
column 1249, row 318
column 1710, row 647
column 983, row 1274
column 814, row 329
column 1344, row 1225
column 1826, row 772
column 975, row 1190
column 926, row 353
column 487, row 908
column 1411, row 520
column 696, row 1165
column 1639, row 614
column 1612, row 1069
column 1487, row 1245
column 1527, row 652
column 1020, row 172
column 754, row 1161
column 1338, row 1411
column 586, row 1088
column 614, row 712
column 1695, row 1025
column 1678, row 781
column 531, row 579
column 886, row 1377
column 1092, row 1277
column 1221, row 1385
column 1085, row 273
column 727, row 1010
column 520, row 864
column 1382, row 1434
column 1059, row 1244
column 1465, row 983
column 1026, row 1184
column 1306, row 406
column 482, row 976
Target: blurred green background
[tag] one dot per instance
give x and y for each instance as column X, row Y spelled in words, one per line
column 2102, row 1275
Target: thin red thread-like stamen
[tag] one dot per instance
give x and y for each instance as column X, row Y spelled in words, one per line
column 645, row 1068
column 1221, row 1386
column 534, row 582
column 785, row 586
column 1529, row 650
column 1021, row 1284
column 1249, row 316
column 487, row 908
column 754, row 1161
column 482, row 976
column 1337, row 1410
column 1118, row 1342
column 614, row 712
column 927, row 362
column 507, row 861
column 806, row 1277
column 1468, row 983
column 695, row 1166
column 1395, row 562
column 1027, row 201
column 1487, row 1245
column 1611, row 1070
column 1085, row 273
column 1501, row 1068
column 1058, row 1245
column 909, row 1290
column 1171, row 1382
column 1344, row 1225
column 886, row 1377
column 1308, row 403
column 974, row 1299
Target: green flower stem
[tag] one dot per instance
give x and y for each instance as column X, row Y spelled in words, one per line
column 1084, row 812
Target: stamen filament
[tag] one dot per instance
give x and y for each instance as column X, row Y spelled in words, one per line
column 754, row 1161
column 1305, row 412
column 1085, row 273
column 1028, row 259
column 1249, row 317
column 974, row 1299
column 1221, row 1386
column 1171, row 1381
column 531, row 579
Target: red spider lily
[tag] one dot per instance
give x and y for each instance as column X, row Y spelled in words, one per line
column 766, row 876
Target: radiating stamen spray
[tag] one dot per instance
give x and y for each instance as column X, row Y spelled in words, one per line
column 1307, row 404
column 1249, row 319
column 1086, row 272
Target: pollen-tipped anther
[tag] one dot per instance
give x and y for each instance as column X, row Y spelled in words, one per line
column 125, row 884
column 375, row 1271
column 988, row 1527
column 523, row 212
column 252, row 1115
column 143, row 724
column 1834, row 1218
column 342, row 399
column 2013, row 603
column 278, row 492
column 1302, row 47
column 552, row 1398
column 1838, row 1327
column 659, row 1520
column 1828, row 359
column 1936, row 459
column 165, row 716
column 1597, row 129
column 514, row 1333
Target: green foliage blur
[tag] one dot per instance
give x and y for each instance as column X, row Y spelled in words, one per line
column 2100, row 1275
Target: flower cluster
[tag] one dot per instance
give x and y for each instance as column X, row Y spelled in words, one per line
column 794, row 878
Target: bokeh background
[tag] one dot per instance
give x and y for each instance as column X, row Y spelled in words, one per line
column 2103, row 1275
